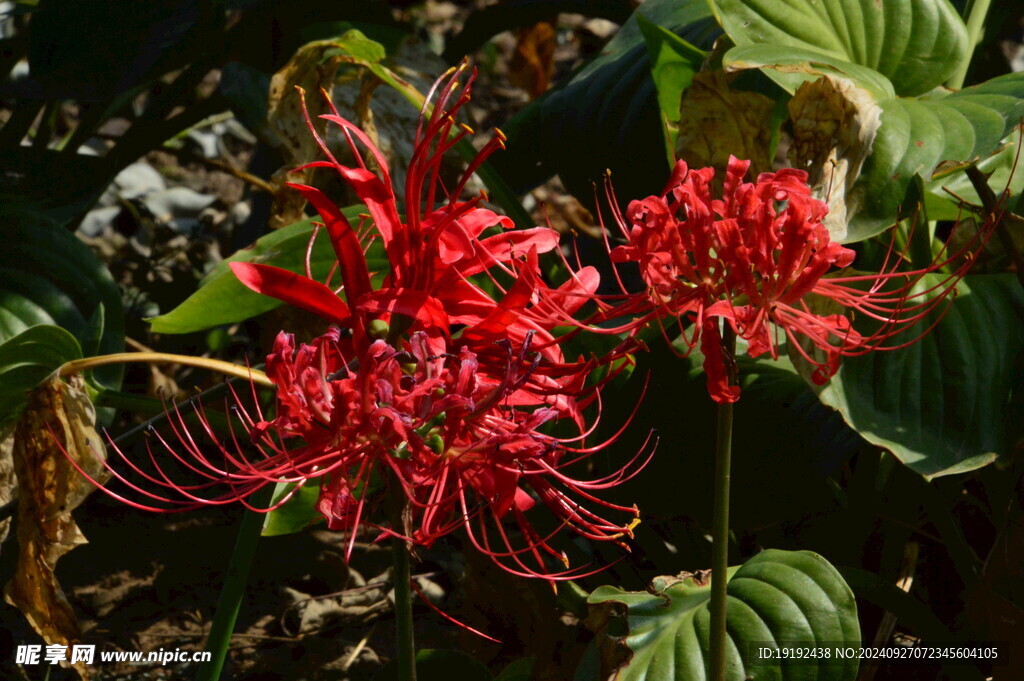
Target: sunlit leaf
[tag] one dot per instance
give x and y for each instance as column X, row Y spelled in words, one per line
column 297, row 513
column 916, row 44
column 222, row 299
column 941, row 404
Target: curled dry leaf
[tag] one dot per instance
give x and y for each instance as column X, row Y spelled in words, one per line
column 58, row 423
column 8, row 481
column 834, row 128
column 313, row 67
column 533, row 62
column 716, row 121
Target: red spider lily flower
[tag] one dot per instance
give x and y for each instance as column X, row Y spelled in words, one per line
column 399, row 420
column 755, row 258
column 434, row 253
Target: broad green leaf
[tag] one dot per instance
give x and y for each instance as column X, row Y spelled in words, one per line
column 673, row 64
column 940, row 405
column 26, row 359
column 48, row 276
column 916, row 44
column 222, row 299
column 295, row 514
column 775, row 597
column 520, row 670
column 918, row 134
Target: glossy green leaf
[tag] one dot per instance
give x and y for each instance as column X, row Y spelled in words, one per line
column 222, row 299
column 775, row 597
column 942, row 202
column 673, row 64
column 940, row 405
column 918, row 134
column 48, row 276
column 917, row 44
column 26, row 359
column 297, row 513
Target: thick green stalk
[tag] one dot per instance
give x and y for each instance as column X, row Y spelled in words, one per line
column 402, row 575
column 975, row 27
column 720, row 522
column 403, row 610
column 233, row 589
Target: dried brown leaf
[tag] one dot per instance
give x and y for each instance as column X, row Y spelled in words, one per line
column 58, row 424
column 313, row 67
column 834, row 128
column 717, row 121
column 533, row 62
column 8, row 481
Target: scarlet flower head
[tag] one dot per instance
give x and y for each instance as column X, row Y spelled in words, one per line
column 754, row 259
column 438, row 256
column 395, row 421
column 432, row 387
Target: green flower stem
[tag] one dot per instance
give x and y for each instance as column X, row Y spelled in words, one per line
column 720, row 522
column 403, row 610
column 975, row 27
column 233, row 589
column 402, row 575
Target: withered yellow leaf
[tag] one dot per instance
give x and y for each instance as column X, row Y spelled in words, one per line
column 57, row 426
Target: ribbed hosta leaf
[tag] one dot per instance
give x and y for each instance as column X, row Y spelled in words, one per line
column 916, row 135
column 917, row 44
column 776, row 596
column 941, row 404
column 48, row 276
column 26, row 359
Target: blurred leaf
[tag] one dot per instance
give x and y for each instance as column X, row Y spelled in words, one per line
column 520, row 670
column 911, row 613
column 487, row 21
column 533, row 62
column 940, row 405
column 297, row 513
column 776, row 596
column 48, row 276
column 916, row 44
column 606, row 116
column 440, row 665
column 673, row 65
column 28, row 358
column 58, row 425
column 92, row 50
column 222, row 299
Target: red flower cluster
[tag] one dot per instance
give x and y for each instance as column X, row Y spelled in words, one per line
column 428, row 386
column 756, row 258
